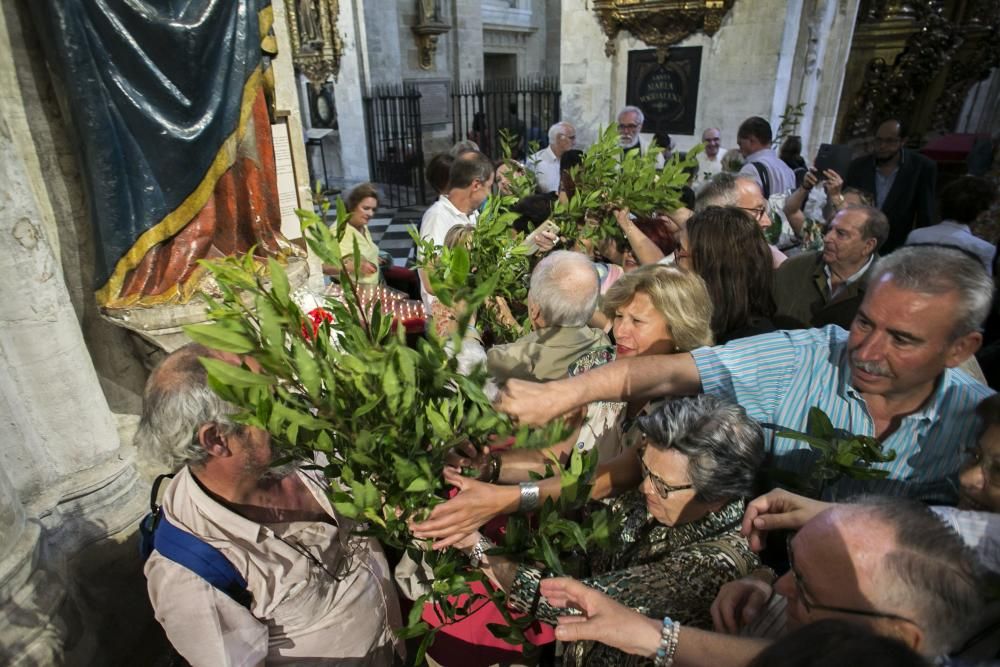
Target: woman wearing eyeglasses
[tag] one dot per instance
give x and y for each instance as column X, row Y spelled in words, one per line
column 678, row 540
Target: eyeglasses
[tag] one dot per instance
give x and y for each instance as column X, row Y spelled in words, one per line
column 755, row 213
column 628, row 126
column 662, row 488
column 800, row 587
column 884, row 141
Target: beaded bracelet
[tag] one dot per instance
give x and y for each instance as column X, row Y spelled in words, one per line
column 667, row 649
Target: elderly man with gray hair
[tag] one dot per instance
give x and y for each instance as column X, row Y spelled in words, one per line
column 545, row 163
column 311, row 592
column 561, row 300
column 630, row 121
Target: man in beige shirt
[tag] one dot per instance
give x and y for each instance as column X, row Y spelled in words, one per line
column 561, row 300
column 320, row 595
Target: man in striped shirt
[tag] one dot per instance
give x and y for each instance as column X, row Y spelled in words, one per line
column 893, row 376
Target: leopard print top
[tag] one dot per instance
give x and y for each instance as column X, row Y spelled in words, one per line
column 657, row 570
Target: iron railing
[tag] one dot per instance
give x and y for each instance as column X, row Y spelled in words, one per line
column 525, row 107
column 395, row 143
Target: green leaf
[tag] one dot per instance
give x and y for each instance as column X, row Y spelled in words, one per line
column 234, row 376
column 418, row 484
column 308, row 369
column 220, row 337
column 279, row 282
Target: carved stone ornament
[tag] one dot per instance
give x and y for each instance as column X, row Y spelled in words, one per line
column 427, row 30
column 316, row 45
column 660, row 23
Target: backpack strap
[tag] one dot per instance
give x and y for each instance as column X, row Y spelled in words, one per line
column 180, row 546
column 765, row 179
column 201, row 558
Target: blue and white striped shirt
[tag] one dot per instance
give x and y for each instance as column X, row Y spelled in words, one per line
column 778, row 377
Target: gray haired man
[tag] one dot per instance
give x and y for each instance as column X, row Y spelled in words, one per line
column 318, row 593
column 545, row 163
column 630, row 121
column 561, row 300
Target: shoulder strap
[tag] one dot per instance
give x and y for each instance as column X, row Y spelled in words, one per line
column 201, row 558
column 765, row 179
column 180, row 546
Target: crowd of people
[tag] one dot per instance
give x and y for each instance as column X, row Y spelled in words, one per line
column 683, row 352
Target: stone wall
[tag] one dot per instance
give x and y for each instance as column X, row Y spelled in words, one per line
column 755, row 64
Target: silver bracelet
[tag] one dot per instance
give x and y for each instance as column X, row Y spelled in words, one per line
column 479, row 550
column 530, row 497
column 667, row 649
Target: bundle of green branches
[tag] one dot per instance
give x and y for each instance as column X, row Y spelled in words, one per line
column 607, row 181
column 341, row 381
column 493, row 266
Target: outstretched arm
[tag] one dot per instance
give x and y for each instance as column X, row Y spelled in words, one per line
column 606, row 621
column 637, row 378
column 453, row 521
column 645, row 250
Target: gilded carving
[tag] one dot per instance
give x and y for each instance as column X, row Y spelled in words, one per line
column 316, row 44
column 940, row 40
column 659, row 23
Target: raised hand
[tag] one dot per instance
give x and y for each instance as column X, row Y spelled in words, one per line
column 601, row 618
column 777, row 510
column 738, row 603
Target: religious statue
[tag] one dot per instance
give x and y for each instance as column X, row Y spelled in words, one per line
column 429, row 12
column 176, row 148
column 308, row 26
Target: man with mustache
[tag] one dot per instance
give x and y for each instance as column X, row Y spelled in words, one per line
column 630, row 121
column 893, row 376
column 317, row 594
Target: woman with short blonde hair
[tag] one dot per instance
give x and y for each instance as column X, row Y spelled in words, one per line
column 680, row 296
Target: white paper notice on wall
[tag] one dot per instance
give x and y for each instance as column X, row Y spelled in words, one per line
column 288, row 198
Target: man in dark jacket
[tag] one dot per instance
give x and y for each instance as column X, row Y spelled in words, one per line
column 902, row 181
column 826, row 287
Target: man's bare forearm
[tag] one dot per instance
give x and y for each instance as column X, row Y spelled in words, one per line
column 638, row 378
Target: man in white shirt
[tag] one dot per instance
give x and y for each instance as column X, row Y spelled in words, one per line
column 318, row 594
column 630, row 120
column 470, row 180
column 545, row 163
column 762, row 164
column 961, row 203
column 709, row 160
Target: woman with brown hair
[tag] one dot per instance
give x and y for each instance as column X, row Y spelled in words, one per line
column 729, row 251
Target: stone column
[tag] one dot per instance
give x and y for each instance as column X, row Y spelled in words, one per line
column 350, row 107
column 68, row 483
column 828, row 28
column 584, row 72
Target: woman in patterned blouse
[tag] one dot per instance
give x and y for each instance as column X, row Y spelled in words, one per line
column 678, row 540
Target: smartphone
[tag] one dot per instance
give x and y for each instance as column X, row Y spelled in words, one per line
column 547, row 226
column 832, row 156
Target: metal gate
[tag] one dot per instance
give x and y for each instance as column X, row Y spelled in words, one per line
column 524, row 107
column 395, row 143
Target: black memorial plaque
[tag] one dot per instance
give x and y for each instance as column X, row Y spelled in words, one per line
column 666, row 92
